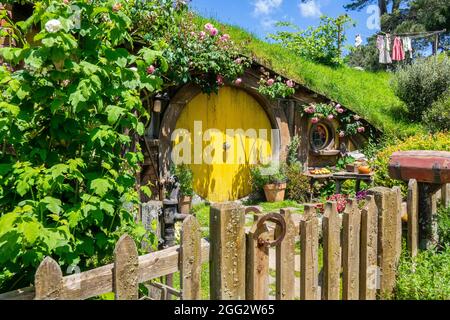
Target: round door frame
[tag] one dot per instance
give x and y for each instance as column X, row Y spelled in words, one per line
column 274, row 111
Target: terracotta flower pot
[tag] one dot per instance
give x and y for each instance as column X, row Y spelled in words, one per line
column 185, row 204
column 275, row 192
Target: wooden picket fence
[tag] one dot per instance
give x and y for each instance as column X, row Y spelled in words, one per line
column 361, row 249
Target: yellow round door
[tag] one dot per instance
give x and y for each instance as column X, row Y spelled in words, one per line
column 221, row 137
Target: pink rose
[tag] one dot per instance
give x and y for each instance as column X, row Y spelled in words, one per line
column 117, row 6
column 314, row 120
column 361, row 129
column 193, row 34
column 290, row 83
column 356, row 117
column 340, row 110
column 66, row 1
column 238, row 61
column 342, row 134
column 270, row 82
column 208, row 26
column 151, row 69
column 219, row 80
column 330, row 117
column 213, row 32
column 238, row 81
column 202, row 35
column 338, row 106
column 225, row 38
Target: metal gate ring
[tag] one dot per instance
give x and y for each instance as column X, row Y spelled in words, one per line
column 278, row 219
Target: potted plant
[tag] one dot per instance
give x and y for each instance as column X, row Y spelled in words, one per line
column 272, row 179
column 184, row 177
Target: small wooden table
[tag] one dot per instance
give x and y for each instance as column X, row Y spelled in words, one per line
column 341, row 177
column 316, row 177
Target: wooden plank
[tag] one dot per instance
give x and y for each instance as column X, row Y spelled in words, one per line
column 350, row 251
column 285, row 259
column 309, row 243
column 257, row 263
column 368, row 272
column 98, row 281
column 190, row 259
column 48, row 280
column 413, row 217
column 445, row 195
column 398, row 223
column 386, row 202
column 227, row 252
column 331, row 252
column 126, row 269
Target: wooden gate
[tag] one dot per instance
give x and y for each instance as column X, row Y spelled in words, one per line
column 345, row 256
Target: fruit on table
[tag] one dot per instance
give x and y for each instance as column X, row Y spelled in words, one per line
column 364, row 169
column 320, row 171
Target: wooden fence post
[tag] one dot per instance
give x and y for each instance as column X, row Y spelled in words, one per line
column 398, row 222
column 309, row 242
column 331, row 253
column 126, row 267
column 445, row 195
column 351, row 251
column 413, row 217
column 386, row 202
column 48, row 280
column 285, row 260
column 368, row 272
column 227, row 252
column 257, row 263
column 190, row 259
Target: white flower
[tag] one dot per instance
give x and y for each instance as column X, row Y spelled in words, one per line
column 53, row 26
column 134, row 69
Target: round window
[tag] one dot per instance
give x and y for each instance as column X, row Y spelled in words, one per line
column 320, row 136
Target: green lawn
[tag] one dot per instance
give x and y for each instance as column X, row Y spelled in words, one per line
column 366, row 93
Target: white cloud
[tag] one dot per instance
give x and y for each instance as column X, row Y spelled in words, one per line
column 267, row 23
column 265, row 7
column 310, row 9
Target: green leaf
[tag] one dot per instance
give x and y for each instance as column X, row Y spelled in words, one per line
column 22, row 187
column 53, row 204
column 114, row 112
column 107, row 207
column 100, row 186
column 30, row 230
column 146, row 190
column 140, row 128
column 7, row 222
column 5, row 168
column 13, row 109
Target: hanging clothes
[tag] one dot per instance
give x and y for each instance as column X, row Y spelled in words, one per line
column 407, row 46
column 398, row 54
column 358, row 41
column 383, row 45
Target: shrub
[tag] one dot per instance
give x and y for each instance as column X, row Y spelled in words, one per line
column 298, row 187
column 439, row 141
column 426, row 277
column 438, row 117
column 266, row 174
column 421, row 83
column 444, row 225
column 185, row 178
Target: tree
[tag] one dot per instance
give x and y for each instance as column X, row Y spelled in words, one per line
column 322, row 44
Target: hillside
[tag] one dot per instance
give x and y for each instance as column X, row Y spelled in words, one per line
column 366, row 93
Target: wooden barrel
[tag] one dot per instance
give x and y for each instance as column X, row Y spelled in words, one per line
column 424, row 166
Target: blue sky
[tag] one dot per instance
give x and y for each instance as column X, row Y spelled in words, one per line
column 258, row 16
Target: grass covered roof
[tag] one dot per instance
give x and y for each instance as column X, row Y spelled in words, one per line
column 369, row 94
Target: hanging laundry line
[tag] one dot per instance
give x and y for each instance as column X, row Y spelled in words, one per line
column 402, row 44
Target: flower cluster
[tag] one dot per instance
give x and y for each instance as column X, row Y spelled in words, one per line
column 351, row 122
column 275, row 87
column 207, row 57
column 341, row 201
